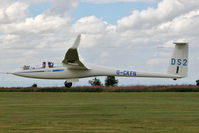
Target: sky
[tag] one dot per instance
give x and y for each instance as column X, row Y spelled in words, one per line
column 131, row 34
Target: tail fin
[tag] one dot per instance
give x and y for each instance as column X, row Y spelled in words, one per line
column 179, row 61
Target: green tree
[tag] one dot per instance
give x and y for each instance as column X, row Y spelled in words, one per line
column 197, row 82
column 111, row 81
column 95, row 82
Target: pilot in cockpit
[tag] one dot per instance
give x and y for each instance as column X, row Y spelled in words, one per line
column 44, row 65
column 50, row 64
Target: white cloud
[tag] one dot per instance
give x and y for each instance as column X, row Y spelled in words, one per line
column 156, row 62
column 58, row 7
column 5, row 3
column 8, row 40
column 104, row 54
column 14, row 12
column 61, row 7
column 40, row 24
column 29, row 53
column 114, row 1
column 92, row 25
column 167, row 10
column 185, row 24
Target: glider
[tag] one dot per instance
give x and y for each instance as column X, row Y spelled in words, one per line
column 73, row 68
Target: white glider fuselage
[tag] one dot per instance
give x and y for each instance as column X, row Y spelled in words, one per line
column 67, row 73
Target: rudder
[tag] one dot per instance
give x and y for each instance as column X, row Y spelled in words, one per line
column 179, row 61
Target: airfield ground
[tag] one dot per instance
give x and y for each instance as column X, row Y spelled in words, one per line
column 105, row 112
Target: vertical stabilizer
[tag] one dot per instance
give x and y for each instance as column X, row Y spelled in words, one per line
column 178, row 64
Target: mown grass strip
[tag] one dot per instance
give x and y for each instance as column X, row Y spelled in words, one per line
column 99, row 112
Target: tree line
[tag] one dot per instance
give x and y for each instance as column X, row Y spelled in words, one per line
column 109, row 81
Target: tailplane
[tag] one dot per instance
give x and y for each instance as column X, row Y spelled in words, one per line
column 178, row 64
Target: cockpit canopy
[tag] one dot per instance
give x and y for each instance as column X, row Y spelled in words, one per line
column 44, row 65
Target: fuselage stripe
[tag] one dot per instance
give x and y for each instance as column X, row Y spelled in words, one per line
column 58, row 70
column 41, row 71
column 33, row 71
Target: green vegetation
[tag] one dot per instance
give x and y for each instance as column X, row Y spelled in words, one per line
column 95, row 82
column 197, row 82
column 111, row 81
column 99, row 112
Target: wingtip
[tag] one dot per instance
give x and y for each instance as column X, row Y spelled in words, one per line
column 77, row 42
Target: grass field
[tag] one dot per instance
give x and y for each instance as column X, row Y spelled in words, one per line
column 99, row 112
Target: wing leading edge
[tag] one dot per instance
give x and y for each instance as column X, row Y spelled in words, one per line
column 71, row 59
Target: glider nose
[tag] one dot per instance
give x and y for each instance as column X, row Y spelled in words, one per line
column 15, row 73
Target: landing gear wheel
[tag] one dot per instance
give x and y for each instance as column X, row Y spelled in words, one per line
column 68, row 85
